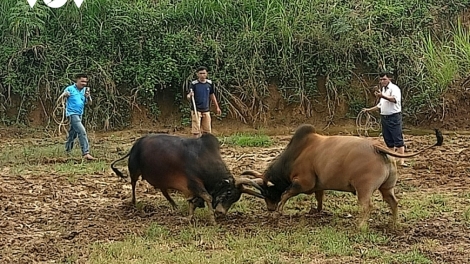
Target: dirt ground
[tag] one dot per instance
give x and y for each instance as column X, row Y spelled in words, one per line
column 46, row 215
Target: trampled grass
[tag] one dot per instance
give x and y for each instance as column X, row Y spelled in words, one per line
column 301, row 239
column 300, row 242
column 429, row 220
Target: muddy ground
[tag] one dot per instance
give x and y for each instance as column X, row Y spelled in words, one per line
column 48, row 215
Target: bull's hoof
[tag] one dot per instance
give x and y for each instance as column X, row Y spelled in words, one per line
column 275, row 215
column 191, row 219
column 212, row 220
column 314, row 211
column 363, row 226
column 394, row 225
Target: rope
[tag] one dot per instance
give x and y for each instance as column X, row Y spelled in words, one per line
column 59, row 110
column 366, row 122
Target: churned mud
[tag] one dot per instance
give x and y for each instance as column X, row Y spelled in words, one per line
column 49, row 213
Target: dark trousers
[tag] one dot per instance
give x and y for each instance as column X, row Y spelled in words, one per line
column 392, row 130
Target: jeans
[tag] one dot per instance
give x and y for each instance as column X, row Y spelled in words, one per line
column 77, row 129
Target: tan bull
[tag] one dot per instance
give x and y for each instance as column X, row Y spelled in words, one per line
column 312, row 163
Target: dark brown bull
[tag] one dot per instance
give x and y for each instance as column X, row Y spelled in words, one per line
column 312, row 163
column 192, row 166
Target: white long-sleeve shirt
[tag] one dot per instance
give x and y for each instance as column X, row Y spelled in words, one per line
column 387, row 107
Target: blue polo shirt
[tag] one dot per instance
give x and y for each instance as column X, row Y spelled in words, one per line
column 76, row 101
column 202, row 91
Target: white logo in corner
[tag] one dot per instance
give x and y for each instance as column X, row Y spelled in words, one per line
column 55, row 3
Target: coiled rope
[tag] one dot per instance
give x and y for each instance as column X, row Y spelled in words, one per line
column 366, row 122
column 59, row 114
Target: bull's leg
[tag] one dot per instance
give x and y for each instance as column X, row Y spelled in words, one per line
column 364, row 198
column 168, row 197
column 191, row 208
column 292, row 191
column 133, row 183
column 319, row 195
column 208, row 198
column 389, row 197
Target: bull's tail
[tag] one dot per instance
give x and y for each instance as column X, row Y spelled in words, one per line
column 118, row 173
column 387, row 151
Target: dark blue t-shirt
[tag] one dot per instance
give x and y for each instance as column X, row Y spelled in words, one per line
column 202, row 91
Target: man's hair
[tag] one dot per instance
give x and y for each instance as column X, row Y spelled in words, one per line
column 80, row 75
column 386, row 74
column 201, row 68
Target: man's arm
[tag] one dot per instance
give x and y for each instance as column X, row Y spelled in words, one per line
column 88, row 96
column 65, row 94
column 374, row 108
column 214, row 100
column 190, row 92
column 388, row 98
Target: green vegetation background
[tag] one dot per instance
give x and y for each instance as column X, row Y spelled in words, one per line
column 133, row 49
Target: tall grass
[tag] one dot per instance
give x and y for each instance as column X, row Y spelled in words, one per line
column 461, row 47
column 445, row 59
column 440, row 64
column 134, row 49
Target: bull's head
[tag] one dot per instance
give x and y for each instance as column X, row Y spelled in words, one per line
column 230, row 192
column 226, row 196
column 271, row 195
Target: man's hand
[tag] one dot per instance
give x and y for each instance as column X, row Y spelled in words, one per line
column 190, row 94
column 378, row 94
column 88, row 96
column 218, row 111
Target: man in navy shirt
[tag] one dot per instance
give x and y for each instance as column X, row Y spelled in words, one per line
column 77, row 96
column 202, row 90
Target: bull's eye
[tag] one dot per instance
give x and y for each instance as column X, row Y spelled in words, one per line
column 229, row 192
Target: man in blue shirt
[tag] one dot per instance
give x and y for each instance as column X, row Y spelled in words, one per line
column 202, row 90
column 77, row 96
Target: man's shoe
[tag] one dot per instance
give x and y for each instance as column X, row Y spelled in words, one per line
column 88, row 157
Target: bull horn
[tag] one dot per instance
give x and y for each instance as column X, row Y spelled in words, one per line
column 259, row 181
column 270, row 184
column 251, row 192
column 243, row 180
column 252, row 173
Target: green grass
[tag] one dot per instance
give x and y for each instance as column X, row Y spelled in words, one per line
column 248, row 140
column 466, row 215
column 300, row 244
column 217, row 245
column 426, row 206
column 297, row 238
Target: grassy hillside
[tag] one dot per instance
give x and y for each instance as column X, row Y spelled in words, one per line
column 132, row 50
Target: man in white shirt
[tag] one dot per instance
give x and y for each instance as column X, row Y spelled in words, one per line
column 391, row 117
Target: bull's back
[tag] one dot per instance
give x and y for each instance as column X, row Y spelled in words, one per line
column 162, row 161
column 338, row 161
